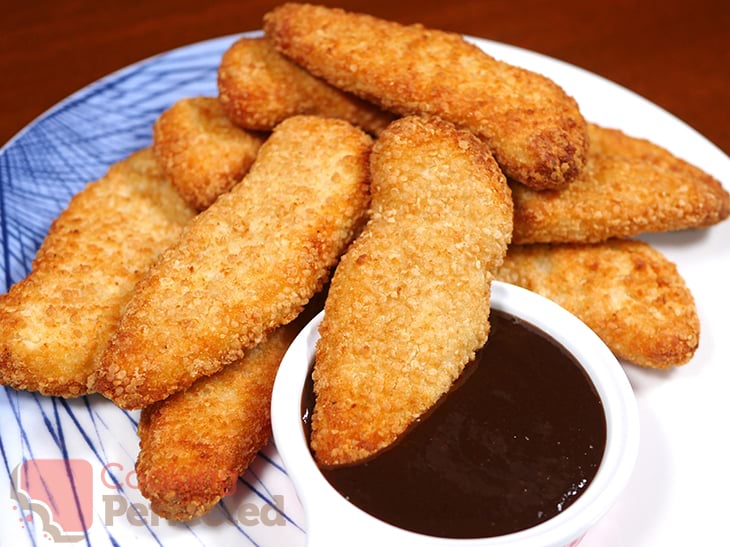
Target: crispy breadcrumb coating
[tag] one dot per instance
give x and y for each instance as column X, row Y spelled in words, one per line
column 626, row 291
column 195, row 444
column 245, row 265
column 533, row 128
column 629, row 186
column 260, row 88
column 408, row 305
column 54, row 323
column 201, row 150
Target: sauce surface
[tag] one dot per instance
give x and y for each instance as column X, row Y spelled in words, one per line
column 517, row 439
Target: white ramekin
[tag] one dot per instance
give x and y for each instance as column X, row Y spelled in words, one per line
column 334, row 521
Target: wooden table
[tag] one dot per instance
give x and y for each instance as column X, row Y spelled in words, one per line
column 675, row 54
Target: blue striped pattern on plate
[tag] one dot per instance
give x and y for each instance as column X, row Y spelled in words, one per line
column 76, row 457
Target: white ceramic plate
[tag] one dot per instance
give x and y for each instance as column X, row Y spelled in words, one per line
column 677, row 493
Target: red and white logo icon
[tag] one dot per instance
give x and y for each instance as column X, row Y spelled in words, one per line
column 59, row 492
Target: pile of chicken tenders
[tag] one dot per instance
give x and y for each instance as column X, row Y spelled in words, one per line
column 400, row 166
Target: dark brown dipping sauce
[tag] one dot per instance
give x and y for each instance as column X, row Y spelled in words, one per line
column 515, row 442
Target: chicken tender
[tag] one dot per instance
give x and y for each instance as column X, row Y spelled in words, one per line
column 196, row 443
column 533, row 128
column 629, row 186
column 626, row 291
column 55, row 322
column 259, row 88
column 245, row 265
column 408, row 305
column 201, row 150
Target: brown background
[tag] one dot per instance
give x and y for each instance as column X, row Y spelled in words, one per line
column 675, row 53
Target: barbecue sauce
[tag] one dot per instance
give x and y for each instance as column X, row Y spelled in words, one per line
column 517, row 439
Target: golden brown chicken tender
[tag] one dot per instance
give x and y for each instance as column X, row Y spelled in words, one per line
column 55, row 322
column 260, row 88
column 201, row 150
column 626, row 291
column 533, row 128
column 245, row 265
column 629, row 186
column 408, row 305
column 196, row 443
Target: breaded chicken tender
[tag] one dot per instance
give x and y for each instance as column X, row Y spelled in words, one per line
column 245, row 265
column 259, row 88
column 55, row 322
column 533, row 128
column 201, row 150
column 408, row 305
column 626, row 291
column 629, row 186
column 196, row 443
